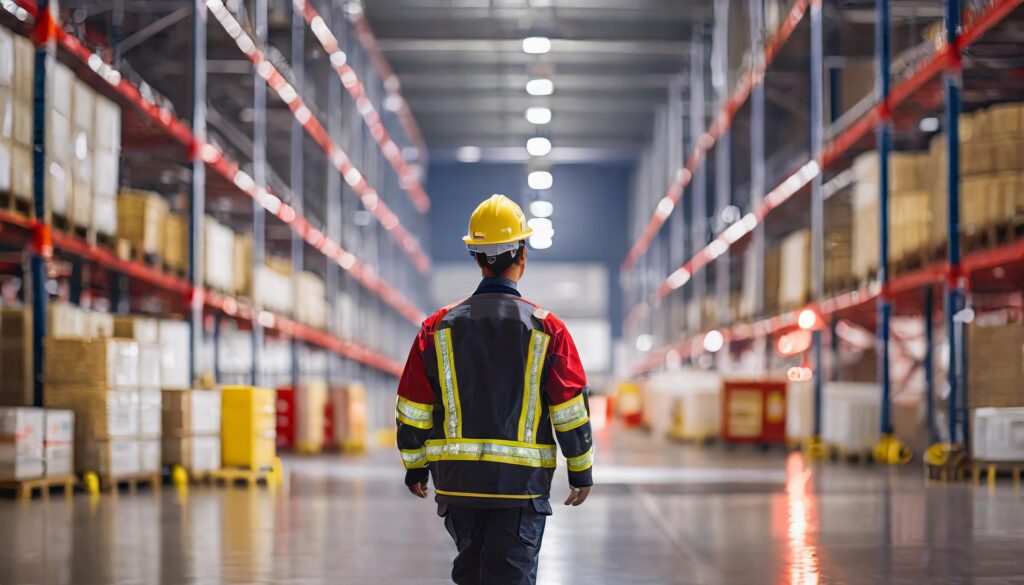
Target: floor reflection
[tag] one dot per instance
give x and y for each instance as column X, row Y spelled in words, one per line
column 802, row 523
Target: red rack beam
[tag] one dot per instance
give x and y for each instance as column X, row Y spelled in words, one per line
column 350, row 81
column 336, row 156
column 707, row 140
column 839, row 146
column 228, row 169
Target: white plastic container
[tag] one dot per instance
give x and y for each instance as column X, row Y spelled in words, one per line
column 998, row 434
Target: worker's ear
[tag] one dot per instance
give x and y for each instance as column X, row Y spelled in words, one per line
column 522, row 256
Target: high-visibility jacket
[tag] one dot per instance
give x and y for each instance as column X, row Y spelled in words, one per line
column 489, row 384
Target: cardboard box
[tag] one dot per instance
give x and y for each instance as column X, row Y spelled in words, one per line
column 176, row 242
column 5, row 163
column 995, row 365
column 149, row 456
column 99, row 414
column 196, row 453
column 63, row 81
column 15, row 357
column 243, row 265
column 58, row 443
column 998, row 434
column 190, row 412
column 1005, row 119
column 149, row 367
column 98, row 324
column 141, row 216
column 311, row 305
column 141, row 329
column 108, row 126
column 21, row 443
column 64, row 320
column 21, row 172
column 175, row 358
column 83, row 106
column 110, row 459
column 794, row 270
column 105, row 176
column 150, row 413
column 100, row 363
column 6, row 58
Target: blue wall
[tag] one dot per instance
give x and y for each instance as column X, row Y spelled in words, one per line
column 591, row 210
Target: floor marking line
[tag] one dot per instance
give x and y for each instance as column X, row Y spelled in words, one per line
column 702, row 568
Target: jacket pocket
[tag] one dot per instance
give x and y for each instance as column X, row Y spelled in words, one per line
column 531, row 526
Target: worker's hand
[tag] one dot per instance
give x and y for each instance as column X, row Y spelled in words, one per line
column 419, row 489
column 577, row 495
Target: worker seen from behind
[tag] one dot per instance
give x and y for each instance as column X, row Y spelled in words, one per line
column 489, row 384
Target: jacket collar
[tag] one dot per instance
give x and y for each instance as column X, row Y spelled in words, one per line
column 497, row 285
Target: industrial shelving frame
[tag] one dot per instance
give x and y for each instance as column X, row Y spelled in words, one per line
column 150, row 120
column 875, row 298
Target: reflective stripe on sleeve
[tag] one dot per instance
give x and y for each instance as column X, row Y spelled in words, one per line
column 449, row 383
column 414, row 414
column 529, row 419
column 414, row 458
column 512, row 452
column 582, row 462
column 570, row 414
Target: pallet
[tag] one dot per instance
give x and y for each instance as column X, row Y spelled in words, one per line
column 132, row 482
column 855, row 456
column 104, row 241
column 994, row 470
column 695, row 440
column 25, row 489
column 231, row 476
column 175, row 270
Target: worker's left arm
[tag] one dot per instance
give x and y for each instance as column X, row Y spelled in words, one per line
column 414, row 412
column 566, row 389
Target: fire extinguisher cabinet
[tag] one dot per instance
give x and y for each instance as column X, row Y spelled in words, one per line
column 754, row 411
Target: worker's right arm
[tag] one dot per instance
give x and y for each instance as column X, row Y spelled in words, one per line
column 414, row 411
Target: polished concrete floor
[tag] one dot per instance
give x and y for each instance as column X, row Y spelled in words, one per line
column 662, row 513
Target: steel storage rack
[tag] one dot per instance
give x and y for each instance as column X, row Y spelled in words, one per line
column 350, row 215
column 929, row 75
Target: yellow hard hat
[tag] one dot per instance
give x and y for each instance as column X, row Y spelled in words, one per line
column 496, row 224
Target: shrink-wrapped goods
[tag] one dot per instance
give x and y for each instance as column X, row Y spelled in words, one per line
column 21, row 443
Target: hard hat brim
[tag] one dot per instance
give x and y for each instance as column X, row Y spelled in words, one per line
column 521, row 236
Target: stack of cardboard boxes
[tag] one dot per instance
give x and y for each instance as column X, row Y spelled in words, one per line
column 16, row 98
column 141, row 220
column 191, row 429
column 219, row 256
column 995, row 370
column 99, row 380
column 311, row 300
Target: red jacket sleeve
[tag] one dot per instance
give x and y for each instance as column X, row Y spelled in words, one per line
column 414, row 409
column 566, row 378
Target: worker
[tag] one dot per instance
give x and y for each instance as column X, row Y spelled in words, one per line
column 489, row 383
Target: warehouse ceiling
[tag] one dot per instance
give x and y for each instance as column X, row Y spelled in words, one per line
column 464, row 72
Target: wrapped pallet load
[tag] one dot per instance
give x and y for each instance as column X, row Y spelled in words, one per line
column 15, row 356
column 22, row 114
column 106, row 157
column 996, row 364
column 98, row 379
column 21, row 433
column 176, row 243
column 175, row 355
column 191, row 430
column 310, row 404
column 348, row 408
column 850, row 415
column 243, row 265
column 7, row 67
column 219, row 256
column 272, row 287
column 83, row 111
column 794, row 275
column 311, row 305
column 60, row 146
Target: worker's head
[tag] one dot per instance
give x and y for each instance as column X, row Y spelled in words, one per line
column 497, row 237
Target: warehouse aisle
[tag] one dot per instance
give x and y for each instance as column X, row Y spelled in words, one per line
column 662, row 514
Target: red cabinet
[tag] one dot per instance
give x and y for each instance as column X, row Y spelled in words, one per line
column 754, row 411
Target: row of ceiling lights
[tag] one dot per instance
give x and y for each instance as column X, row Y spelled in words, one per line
column 539, row 146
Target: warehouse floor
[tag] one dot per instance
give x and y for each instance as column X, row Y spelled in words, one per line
column 663, row 513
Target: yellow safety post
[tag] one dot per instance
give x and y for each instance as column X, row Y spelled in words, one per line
column 815, row 449
column 891, row 451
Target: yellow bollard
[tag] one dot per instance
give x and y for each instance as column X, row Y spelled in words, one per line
column 891, row 451
column 815, row 450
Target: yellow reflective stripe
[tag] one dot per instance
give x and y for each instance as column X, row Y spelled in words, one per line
column 449, row 383
column 476, row 495
column 570, row 414
column 497, row 451
column 529, row 418
column 582, row 462
column 414, row 458
column 415, row 414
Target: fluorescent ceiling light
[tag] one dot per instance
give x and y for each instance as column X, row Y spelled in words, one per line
column 538, row 115
column 714, row 341
column 536, row 45
column 542, row 227
column 538, row 146
column 540, row 180
column 540, row 243
column 468, row 154
column 541, row 208
column 540, row 86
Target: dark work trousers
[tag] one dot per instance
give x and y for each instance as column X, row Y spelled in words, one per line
column 497, row 546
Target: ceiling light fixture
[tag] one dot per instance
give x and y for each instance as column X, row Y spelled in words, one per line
column 540, row 180
column 536, row 45
column 468, row 154
column 540, row 87
column 541, row 208
column 538, row 146
column 538, row 115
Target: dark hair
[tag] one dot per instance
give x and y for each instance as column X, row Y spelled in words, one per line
column 497, row 265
